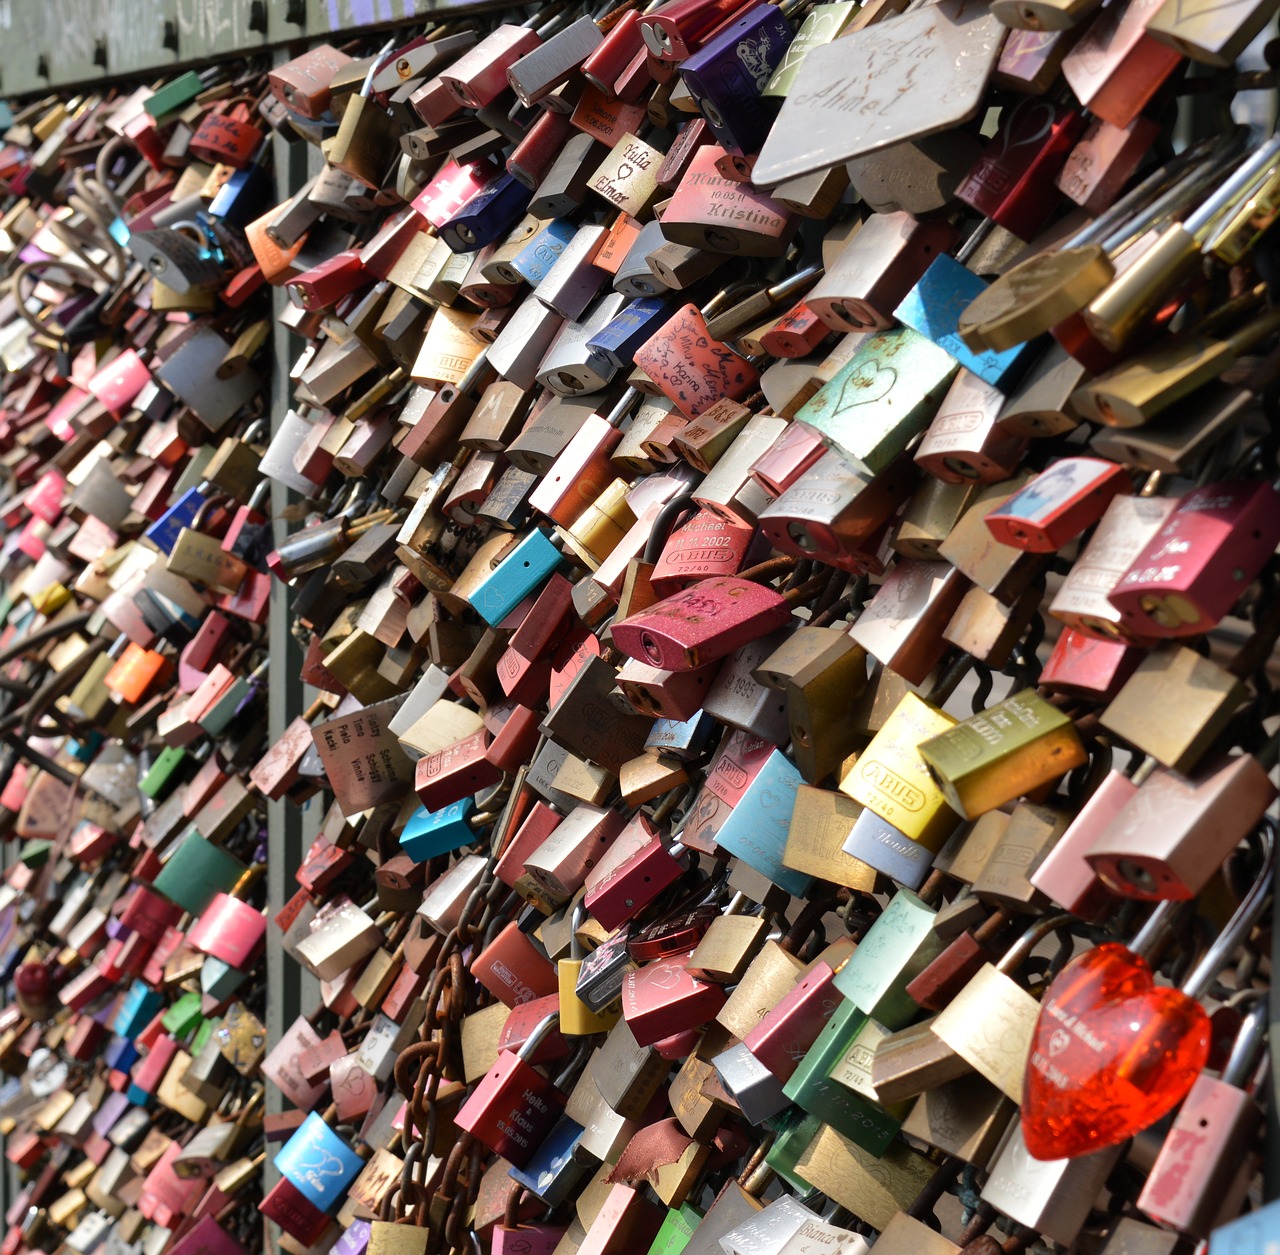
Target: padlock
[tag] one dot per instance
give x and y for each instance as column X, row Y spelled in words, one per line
column 996, row 1042
column 1046, row 1193
column 1127, row 526
column 226, row 134
column 1023, row 739
column 965, row 442
column 892, row 779
column 1013, row 182
column 783, row 1036
column 316, row 1166
column 832, row 511
column 899, row 945
column 721, row 215
column 864, row 413
column 576, row 1018
column 691, row 369
column 876, row 268
column 1061, row 1110
column 1215, row 1129
column 1200, row 696
column 692, row 628
column 1219, row 804
column 819, row 670
column 1156, row 597
column 850, row 1178
column 726, row 77
column 663, row 997
column 514, row 1107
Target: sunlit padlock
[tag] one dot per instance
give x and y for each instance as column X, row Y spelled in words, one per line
column 701, row 624
column 1178, row 585
column 1066, row 1119
column 514, row 1106
column 726, row 75
column 876, row 268
column 1024, row 741
column 316, row 1166
column 712, row 212
column 576, row 1018
column 662, row 998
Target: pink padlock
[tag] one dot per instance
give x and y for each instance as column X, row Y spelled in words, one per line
column 44, row 497
column 701, row 624
column 229, row 930
column 120, row 380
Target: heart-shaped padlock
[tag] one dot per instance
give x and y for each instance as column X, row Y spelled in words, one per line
column 1113, row 1051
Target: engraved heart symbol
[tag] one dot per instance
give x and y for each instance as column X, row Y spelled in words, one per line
column 1189, row 10
column 867, row 383
column 1131, row 1052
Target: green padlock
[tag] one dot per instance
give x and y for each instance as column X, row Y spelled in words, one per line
column 174, row 95
column 160, row 776
column 196, row 871
column 183, row 1016
column 864, row 1122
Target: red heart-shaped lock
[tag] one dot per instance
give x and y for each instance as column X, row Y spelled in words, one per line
column 1112, row 1053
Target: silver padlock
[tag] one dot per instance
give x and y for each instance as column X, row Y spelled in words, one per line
column 755, row 1089
column 573, row 282
column 571, row 367
column 521, row 345
column 737, row 700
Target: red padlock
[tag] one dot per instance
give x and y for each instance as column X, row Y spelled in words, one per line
column 227, row 136
column 455, row 772
column 702, row 624
column 662, row 998
column 514, row 1106
column 513, row 969
column 632, row 885
column 784, row 1035
column 230, row 930
column 1199, row 563
column 1055, row 507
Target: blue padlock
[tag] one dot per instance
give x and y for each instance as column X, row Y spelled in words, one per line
column 488, row 215
column 84, row 749
column 167, row 613
column 628, row 329
column 318, row 1164
column 428, row 833
column 163, row 533
column 685, row 739
column 933, row 308
column 137, row 1008
column 542, row 252
column 522, row 571
column 246, row 195
column 756, row 829
column 120, row 1054
column 555, row 1170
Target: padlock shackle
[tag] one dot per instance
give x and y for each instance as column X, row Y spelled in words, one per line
column 1248, row 1043
column 1021, row 949
column 1158, row 196
column 535, row 1039
column 1239, row 181
column 1199, row 981
column 668, row 519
